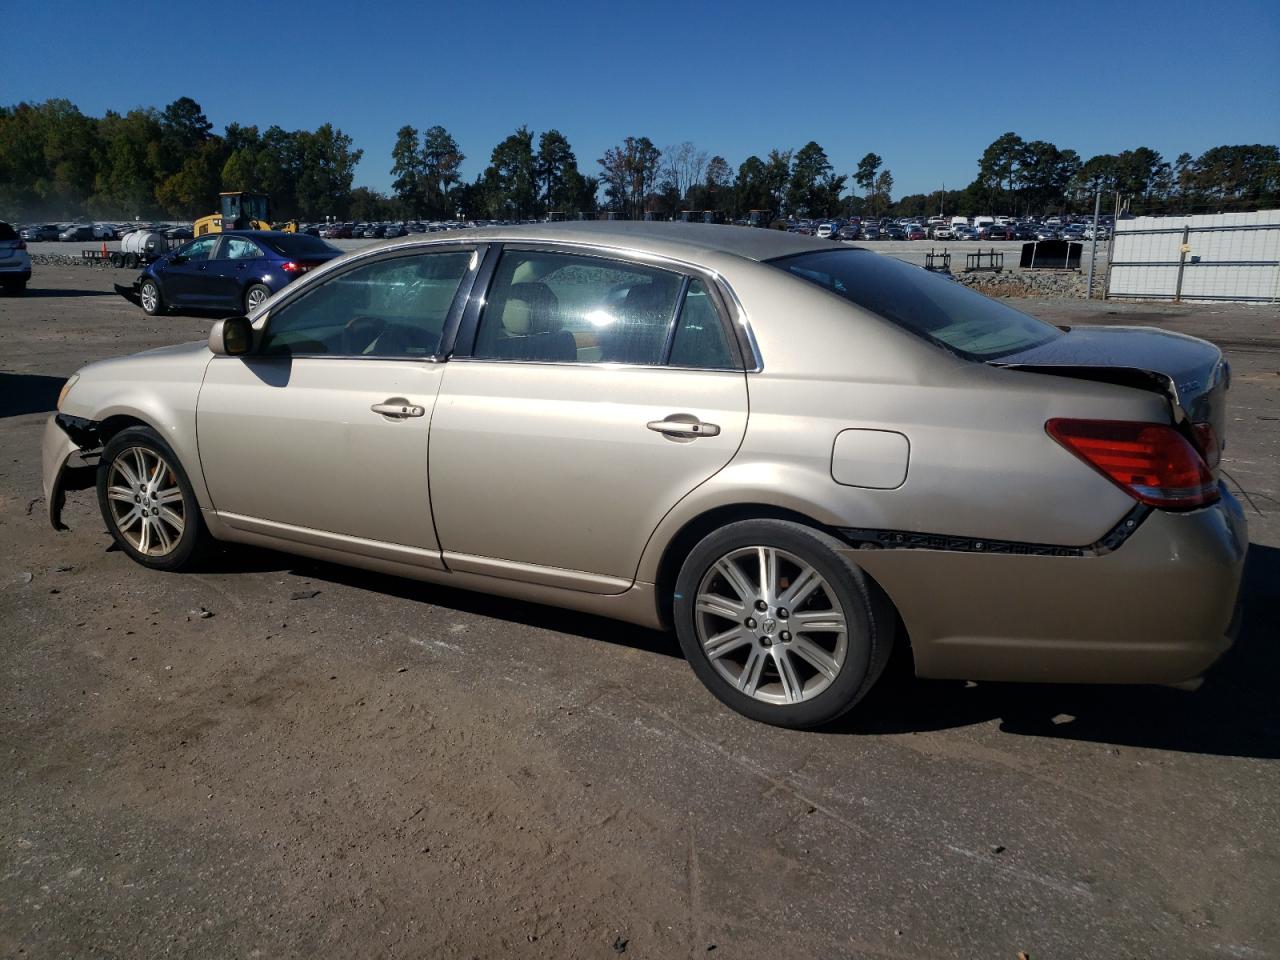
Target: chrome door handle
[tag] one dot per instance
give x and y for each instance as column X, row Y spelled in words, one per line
column 682, row 426
column 398, row 409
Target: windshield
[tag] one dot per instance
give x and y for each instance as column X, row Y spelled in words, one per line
column 300, row 245
column 932, row 307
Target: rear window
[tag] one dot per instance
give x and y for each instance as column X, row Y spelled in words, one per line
column 931, row 307
column 299, row 245
column 6, row 232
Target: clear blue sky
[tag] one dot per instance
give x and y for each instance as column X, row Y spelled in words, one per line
column 926, row 85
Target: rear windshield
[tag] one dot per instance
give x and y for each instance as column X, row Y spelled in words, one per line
column 299, row 245
column 932, row 307
column 6, row 232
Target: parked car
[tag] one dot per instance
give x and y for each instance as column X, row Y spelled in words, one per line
column 77, row 232
column 871, row 231
column 943, row 231
column 1025, row 502
column 994, row 231
column 894, row 232
column 15, row 262
column 964, row 233
column 1072, row 232
column 1025, row 231
column 848, row 232
column 395, row 230
column 825, row 230
column 916, row 232
column 231, row 272
column 1046, row 233
column 39, row 232
column 179, row 233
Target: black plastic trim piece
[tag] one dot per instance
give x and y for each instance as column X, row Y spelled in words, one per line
column 83, row 432
column 1112, row 540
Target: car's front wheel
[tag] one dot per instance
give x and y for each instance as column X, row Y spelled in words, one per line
column 149, row 294
column 779, row 625
column 147, row 501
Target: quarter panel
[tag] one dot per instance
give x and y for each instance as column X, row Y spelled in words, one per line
column 981, row 462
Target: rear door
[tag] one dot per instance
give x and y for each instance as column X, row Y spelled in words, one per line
column 587, row 396
column 235, row 263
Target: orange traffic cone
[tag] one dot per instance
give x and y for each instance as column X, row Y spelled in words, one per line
column 104, row 249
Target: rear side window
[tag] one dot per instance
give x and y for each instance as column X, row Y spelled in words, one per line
column 393, row 308
column 299, row 245
column 563, row 308
column 931, row 307
column 700, row 339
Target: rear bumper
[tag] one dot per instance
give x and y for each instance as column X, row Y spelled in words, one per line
column 1160, row 609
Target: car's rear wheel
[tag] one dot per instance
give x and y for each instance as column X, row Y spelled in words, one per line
column 779, row 625
column 149, row 294
column 147, row 501
column 131, row 261
column 255, row 296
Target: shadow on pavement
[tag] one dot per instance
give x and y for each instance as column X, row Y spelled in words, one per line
column 22, row 393
column 1235, row 713
column 38, row 292
column 243, row 559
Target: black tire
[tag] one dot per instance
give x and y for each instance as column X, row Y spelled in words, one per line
column 194, row 539
column 255, row 290
column 131, row 261
column 868, row 616
column 155, row 300
column 117, row 259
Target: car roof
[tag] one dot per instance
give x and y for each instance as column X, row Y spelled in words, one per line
column 685, row 241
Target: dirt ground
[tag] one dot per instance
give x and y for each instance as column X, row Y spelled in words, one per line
column 279, row 758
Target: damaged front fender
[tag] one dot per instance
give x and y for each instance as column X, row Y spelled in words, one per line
column 68, row 445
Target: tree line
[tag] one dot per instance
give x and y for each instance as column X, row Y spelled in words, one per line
column 57, row 163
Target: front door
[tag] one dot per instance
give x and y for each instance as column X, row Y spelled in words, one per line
column 598, row 393
column 320, row 436
column 186, row 275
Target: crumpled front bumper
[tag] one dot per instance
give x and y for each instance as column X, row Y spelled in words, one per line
column 67, row 462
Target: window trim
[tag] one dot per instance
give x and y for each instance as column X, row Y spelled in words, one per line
column 467, row 334
column 461, row 298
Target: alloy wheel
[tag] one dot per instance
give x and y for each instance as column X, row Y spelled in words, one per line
column 255, row 298
column 146, row 501
column 771, row 625
column 150, row 297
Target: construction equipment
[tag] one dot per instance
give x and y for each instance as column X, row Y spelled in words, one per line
column 241, row 211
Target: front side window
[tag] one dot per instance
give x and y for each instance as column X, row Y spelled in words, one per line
column 565, row 308
column 922, row 303
column 394, row 308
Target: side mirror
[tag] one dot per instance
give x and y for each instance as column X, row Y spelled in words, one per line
column 232, row 337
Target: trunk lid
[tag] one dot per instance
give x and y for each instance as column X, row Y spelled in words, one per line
column 1191, row 373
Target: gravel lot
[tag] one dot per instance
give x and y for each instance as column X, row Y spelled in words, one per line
column 279, row 758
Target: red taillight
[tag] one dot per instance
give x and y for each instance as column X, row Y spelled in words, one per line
column 1151, row 462
column 290, row 267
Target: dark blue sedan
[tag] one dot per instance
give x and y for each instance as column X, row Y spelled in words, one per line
column 230, row 272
